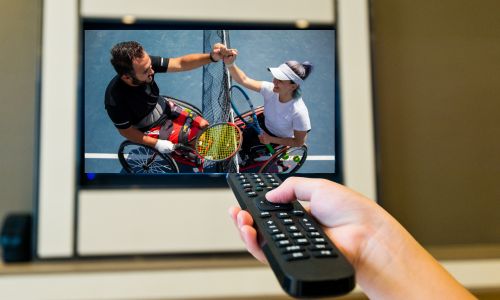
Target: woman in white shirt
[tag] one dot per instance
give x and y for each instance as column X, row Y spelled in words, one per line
column 286, row 119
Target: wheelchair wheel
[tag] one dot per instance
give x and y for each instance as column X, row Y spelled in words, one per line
column 141, row 159
column 286, row 161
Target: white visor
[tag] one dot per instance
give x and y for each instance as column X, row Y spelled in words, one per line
column 284, row 72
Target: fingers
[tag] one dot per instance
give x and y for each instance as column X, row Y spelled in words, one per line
column 228, row 52
column 222, row 51
column 233, row 213
column 243, row 221
column 249, row 235
column 261, row 139
column 294, row 188
column 204, row 124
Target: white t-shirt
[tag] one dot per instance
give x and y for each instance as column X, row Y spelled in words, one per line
column 283, row 118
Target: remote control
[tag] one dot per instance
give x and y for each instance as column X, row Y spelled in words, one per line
column 304, row 260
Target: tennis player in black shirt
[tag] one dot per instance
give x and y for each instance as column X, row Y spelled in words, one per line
column 133, row 100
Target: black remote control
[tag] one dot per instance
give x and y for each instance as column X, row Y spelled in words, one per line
column 305, row 261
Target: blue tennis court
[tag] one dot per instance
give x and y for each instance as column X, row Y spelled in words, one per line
column 258, row 49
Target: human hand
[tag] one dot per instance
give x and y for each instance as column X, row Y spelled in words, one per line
column 164, row 146
column 265, row 138
column 389, row 263
column 219, row 51
column 203, row 123
column 231, row 57
column 347, row 217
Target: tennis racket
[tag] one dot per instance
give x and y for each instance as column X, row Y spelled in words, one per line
column 240, row 102
column 218, row 142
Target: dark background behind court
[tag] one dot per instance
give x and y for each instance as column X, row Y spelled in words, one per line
column 436, row 72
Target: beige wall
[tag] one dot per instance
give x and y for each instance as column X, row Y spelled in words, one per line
column 20, row 33
column 437, row 72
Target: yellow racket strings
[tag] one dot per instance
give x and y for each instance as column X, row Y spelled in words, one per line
column 218, row 142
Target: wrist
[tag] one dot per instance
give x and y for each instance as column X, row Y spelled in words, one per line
column 157, row 144
column 212, row 59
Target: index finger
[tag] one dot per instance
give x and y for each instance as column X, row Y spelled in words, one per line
column 294, row 188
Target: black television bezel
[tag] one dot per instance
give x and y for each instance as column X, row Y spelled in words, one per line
column 183, row 180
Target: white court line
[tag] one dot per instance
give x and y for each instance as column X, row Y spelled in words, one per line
column 101, row 155
column 115, row 156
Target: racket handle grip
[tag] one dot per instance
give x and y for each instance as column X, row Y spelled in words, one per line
column 181, row 146
column 270, row 148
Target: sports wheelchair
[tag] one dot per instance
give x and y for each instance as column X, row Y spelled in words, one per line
column 142, row 159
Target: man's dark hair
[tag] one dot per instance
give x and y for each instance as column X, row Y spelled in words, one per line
column 122, row 55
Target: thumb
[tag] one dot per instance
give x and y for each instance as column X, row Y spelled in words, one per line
column 294, row 188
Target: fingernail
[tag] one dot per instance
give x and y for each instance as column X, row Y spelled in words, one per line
column 270, row 193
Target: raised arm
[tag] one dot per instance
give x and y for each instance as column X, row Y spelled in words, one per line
column 196, row 60
column 239, row 76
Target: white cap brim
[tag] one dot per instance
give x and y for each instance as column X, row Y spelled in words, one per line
column 278, row 74
column 284, row 72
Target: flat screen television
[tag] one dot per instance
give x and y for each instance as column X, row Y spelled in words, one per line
column 91, row 202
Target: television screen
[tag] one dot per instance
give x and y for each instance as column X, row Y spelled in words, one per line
column 101, row 195
column 302, row 117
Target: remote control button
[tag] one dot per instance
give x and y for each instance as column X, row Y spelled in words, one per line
column 310, row 229
column 294, row 248
column 319, row 247
column 274, row 230
column 283, row 215
column 305, row 220
column 324, row 253
column 247, row 185
column 283, row 243
column 272, row 226
column 296, row 256
column 279, row 236
column 292, row 228
column 270, row 223
column 296, row 235
column 313, row 234
column 298, row 213
column 319, row 240
column 252, row 194
column 259, row 189
column 302, row 242
column 268, row 206
column 287, row 221
column 265, row 214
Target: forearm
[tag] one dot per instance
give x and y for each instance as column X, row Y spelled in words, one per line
column 291, row 142
column 240, row 77
column 393, row 265
column 189, row 62
column 134, row 135
column 237, row 74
